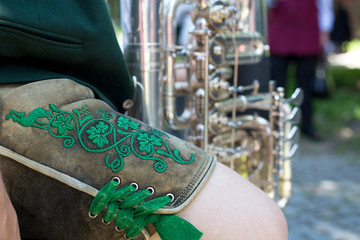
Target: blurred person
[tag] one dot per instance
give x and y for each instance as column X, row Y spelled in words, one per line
column 346, row 24
column 341, row 31
column 352, row 8
column 298, row 33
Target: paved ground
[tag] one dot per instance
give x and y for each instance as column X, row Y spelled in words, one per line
column 325, row 201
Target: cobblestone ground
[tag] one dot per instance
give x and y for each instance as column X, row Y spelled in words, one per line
column 325, row 202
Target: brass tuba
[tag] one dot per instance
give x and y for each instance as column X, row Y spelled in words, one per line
column 193, row 89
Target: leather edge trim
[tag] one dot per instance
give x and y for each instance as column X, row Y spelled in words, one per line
column 210, row 168
column 191, row 193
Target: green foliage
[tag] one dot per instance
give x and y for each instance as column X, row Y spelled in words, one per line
column 345, row 77
column 339, row 113
column 342, row 106
column 356, row 112
column 353, row 45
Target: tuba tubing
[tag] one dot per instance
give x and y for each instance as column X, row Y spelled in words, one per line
column 171, row 117
column 214, row 114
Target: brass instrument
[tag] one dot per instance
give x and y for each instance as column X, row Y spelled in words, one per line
column 209, row 107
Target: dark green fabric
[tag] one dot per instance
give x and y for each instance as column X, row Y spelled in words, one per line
column 73, row 39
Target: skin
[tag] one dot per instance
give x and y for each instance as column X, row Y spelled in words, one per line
column 239, row 210
column 9, row 227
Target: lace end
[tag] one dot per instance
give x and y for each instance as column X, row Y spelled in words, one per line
column 172, row 227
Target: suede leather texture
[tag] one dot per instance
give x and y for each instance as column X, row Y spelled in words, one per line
column 60, row 124
column 49, row 210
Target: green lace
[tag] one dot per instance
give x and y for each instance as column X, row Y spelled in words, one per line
column 132, row 214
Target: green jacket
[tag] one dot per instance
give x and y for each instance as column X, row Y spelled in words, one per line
column 43, row 39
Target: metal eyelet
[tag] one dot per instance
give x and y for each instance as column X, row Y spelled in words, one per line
column 127, row 104
column 151, row 189
column 118, row 229
column 135, row 185
column 171, row 196
column 92, row 216
column 126, row 237
column 116, row 179
column 105, row 223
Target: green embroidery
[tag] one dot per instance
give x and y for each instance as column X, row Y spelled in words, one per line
column 147, row 142
column 97, row 134
column 62, row 124
column 31, row 120
column 125, row 123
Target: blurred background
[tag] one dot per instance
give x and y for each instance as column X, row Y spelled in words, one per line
column 325, row 202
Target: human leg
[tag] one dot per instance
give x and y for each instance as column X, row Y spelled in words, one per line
column 279, row 68
column 305, row 74
column 40, row 130
column 230, row 207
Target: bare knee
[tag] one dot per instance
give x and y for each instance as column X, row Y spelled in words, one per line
column 230, row 207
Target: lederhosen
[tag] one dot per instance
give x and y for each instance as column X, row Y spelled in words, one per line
column 63, row 128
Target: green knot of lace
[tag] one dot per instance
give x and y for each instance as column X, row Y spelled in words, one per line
column 132, row 214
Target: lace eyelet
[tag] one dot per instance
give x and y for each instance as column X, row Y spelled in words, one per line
column 135, row 185
column 118, row 229
column 92, row 216
column 151, row 190
column 116, row 179
column 105, row 223
column 171, row 196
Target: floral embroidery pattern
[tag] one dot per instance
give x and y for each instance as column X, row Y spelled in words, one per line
column 125, row 123
column 97, row 134
column 62, row 124
column 147, row 142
